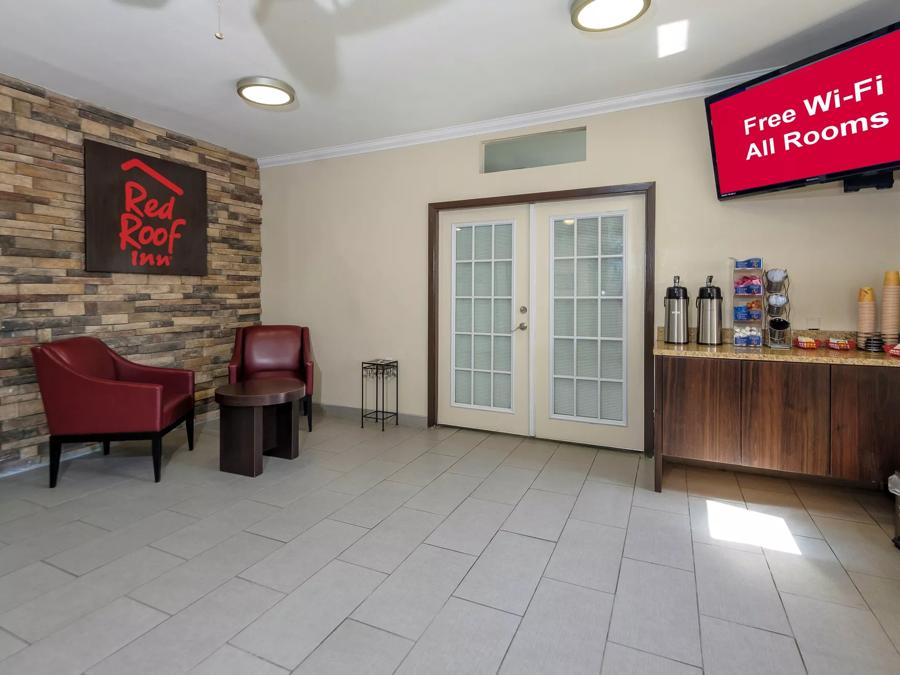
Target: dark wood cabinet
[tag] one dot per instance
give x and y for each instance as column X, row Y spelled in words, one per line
column 785, row 417
column 701, row 400
column 865, row 423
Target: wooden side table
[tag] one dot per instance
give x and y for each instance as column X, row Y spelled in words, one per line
column 258, row 417
column 380, row 370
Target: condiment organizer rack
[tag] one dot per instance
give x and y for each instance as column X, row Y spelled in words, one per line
column 747, row 306
column 778, row 309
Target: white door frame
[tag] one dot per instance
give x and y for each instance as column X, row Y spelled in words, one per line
column 647, row 190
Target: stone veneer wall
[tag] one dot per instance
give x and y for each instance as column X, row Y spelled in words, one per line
column 45, row 294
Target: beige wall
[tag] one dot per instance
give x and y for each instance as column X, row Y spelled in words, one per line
column 344, row 240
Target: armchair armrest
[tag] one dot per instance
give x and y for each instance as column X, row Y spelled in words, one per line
column 234, row 366
column 175, row 379
column 308, row 366
column 82, row 404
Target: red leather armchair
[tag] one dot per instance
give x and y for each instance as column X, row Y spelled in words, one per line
column 90, row 393
column 274, row 351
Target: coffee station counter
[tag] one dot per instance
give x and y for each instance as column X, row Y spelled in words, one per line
column 790, row 412
column 852, row 357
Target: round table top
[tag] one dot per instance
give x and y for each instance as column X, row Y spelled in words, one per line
column 255, row 393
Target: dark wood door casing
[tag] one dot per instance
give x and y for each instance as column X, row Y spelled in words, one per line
column 648, row 190
column 786, row 417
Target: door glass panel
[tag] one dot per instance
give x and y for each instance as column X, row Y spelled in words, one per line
column 588, row 373
column 482, row 349
column 482, row 389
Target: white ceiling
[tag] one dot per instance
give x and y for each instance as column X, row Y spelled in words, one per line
column 368, row 69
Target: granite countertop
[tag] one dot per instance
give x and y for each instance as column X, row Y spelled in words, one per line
column 825, row 355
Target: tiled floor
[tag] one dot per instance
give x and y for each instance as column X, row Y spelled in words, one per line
column 438, row 551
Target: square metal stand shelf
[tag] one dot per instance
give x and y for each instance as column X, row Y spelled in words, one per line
column 380, row 370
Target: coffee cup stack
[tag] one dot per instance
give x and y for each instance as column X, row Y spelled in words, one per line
column 890, row 308
column 865, row 326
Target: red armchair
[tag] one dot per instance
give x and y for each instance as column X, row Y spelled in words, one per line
column 90, row 393
column 262, row 352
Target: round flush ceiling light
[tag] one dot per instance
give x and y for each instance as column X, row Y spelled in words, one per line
column 265, row 91
column 599, row 15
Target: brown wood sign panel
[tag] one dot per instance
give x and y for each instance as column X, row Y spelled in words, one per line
column 142, row 214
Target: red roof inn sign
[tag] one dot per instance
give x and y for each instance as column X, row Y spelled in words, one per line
column 142, row 214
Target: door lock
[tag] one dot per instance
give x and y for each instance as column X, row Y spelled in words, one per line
column 521, row 326
column 523, row 310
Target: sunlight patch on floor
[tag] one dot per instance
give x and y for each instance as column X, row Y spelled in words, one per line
column 742, row 526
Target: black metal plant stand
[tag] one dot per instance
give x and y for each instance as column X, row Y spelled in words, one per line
column 380, row 370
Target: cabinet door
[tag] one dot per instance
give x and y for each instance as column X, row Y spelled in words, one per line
column 785, row 421
column 865, row 422
column 701, row 404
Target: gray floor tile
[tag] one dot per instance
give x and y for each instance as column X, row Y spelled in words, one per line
column 52, row 611
column 356, row 648
column 733, row 649
column 46, row 543
column 204, row 534
column 444, row 493
column 459, row 443
column 659, row 537
column 410, row 598
column 588, row 554
column 299, row 516
column 290, row 631
column 603, row 503
column 838, row 639
column 363, row 477
column 9, row 645
column 85, row 642
column 786, row 506
column 113, row 511
column 296, row 486
column 860, row 547
column 423, row 470
column 672, row 498
column 507, row 485
column 831, row 502
column 753, row 482
column 730, row 524
column 618, row 467
column 883, row 597
column 737, row 586
column 564, row 476
column 656, row 611
column 713, row 484
column 187, row 583
column 564, row 630
column 507, row 573
column 813, row 571
column 621, row 660
column 481, row 461
column 101, row 550
column 228, row 660
column 471, row 527
column 540, row 514
column 10, row 509
column 298, row 560
column 27, row 583
column 463, row 638
column 387, row 545
column 376, row 504
column 188, row 638
column 531, row 454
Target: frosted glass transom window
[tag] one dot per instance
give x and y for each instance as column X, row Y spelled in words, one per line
column 482, row 315
column 587, row 318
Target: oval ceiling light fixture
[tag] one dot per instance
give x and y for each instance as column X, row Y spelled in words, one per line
column 265, row 91
column 600, row 15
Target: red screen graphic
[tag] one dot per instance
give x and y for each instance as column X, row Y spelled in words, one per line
column 838, row 114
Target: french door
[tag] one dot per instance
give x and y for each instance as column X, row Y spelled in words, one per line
column 541, row 320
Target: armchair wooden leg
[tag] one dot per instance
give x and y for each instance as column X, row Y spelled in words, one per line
column 157, row 457
column 308, row 406
column 105, row 447
column 189, row 426
column 55, row 453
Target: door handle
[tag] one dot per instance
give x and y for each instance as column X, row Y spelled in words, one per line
column 521, row 326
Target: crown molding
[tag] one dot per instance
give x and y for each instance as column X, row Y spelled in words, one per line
column 511, row 122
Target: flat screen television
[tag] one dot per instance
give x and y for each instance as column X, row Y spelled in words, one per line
column 829, row 117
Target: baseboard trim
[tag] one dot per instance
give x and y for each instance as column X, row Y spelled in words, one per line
column 350, row 412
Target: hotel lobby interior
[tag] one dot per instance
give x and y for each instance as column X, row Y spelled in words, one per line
column 446, row 336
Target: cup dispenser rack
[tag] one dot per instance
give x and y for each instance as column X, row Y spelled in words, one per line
column 776, row 284
column 747, row 306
